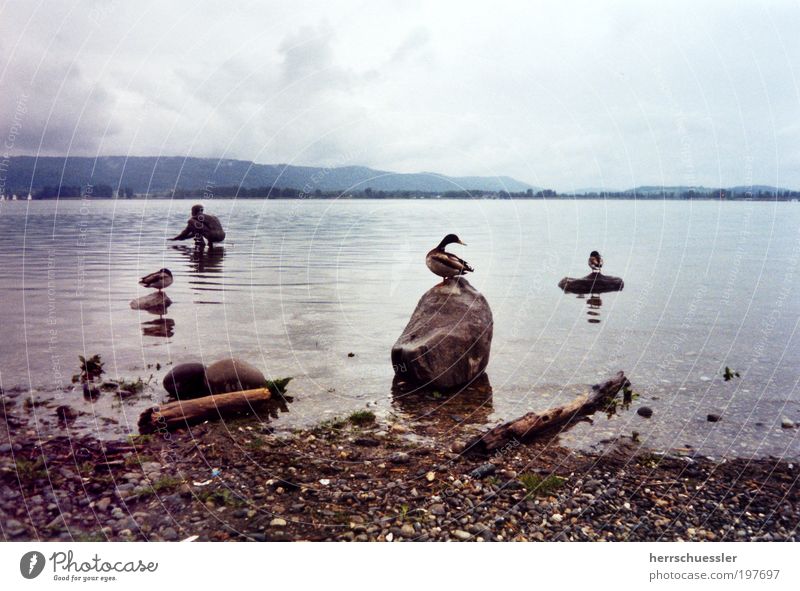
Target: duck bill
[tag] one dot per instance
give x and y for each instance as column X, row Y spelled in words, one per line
column 462, row 243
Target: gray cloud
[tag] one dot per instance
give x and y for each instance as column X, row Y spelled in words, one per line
column 55, row 107
column 566, row 95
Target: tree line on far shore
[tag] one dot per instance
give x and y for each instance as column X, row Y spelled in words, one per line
column 104, row 191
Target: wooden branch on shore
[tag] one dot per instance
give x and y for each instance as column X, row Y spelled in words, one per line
column 179, row 414
column 532, row 424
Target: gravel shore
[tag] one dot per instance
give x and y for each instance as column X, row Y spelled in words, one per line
column 364, row 480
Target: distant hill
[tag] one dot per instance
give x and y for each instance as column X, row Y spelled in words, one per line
column 159, row 175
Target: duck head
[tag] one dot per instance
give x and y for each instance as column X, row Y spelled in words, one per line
column 450, row 239
column 594, row 253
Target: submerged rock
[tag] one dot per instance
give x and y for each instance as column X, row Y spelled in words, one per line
column 157, row 303
column 66, row 415
column 592, row 283
column 448, row 339
column 187, row 380
column 232, row 375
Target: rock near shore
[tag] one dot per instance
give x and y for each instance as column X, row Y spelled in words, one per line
column 233, row 375
column 448, row 339
column 193, row 380
column 187, row 380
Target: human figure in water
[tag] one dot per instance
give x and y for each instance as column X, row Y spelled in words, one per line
column 202, row 225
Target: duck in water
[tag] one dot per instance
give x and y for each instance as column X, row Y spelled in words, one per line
column 595, row 261
column 158, row 280
column 202, row 225
column 446, row 264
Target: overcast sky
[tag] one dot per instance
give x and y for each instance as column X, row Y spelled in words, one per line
column 559, row 94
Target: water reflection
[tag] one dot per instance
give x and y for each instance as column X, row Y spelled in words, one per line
column 203, row 260
column 470, row 404
column 205, row 266
column 162, row 327
column 594, row 303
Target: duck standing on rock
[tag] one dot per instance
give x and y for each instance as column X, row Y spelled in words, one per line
column 595, row 261
column 158, row 280
column 446, row 264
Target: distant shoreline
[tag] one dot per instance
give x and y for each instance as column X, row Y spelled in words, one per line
column 359, row 198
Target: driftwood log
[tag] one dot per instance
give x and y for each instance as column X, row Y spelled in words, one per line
column 181, row 413
column 532, row 424
column 592, row 283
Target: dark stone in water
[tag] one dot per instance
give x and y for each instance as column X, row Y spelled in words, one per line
column 187, row 380
column 156, row 303
column 66, row 415
column 90, row 391
column 592, row 283
column 712, row 418
column 645, row 411
column 448, row 339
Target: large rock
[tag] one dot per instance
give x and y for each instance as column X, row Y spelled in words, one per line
column 187, row 380
column 232, row 375
column 447, row 341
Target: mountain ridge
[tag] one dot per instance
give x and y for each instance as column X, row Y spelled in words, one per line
column 158, row 174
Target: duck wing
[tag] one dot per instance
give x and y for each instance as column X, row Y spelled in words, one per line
column 148, row 279
column 451, row 261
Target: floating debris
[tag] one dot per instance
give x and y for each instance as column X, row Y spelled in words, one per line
column 729, row 374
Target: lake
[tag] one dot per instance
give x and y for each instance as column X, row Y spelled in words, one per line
column 299, row 285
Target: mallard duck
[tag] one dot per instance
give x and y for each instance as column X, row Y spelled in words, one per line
column 446, row 264
column 595, row 261
column 158, row 280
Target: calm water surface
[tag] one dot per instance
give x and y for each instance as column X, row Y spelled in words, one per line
column 299, row 285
